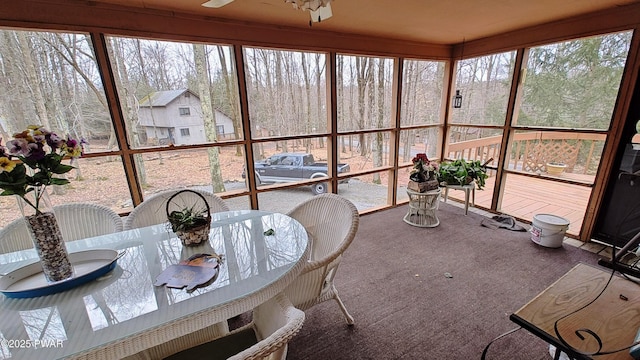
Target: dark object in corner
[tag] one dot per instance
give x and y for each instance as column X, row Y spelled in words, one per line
column 502, row 221
column 615, row 263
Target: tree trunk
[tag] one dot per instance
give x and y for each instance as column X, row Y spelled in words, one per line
column 378, row 145
column 232, row 96
column 362, row 70
column 127, row 101
column 34, row 82
column 202, row 75
column 321, row 118
column 307, row 89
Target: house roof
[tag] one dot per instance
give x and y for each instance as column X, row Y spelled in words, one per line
column 163, row 98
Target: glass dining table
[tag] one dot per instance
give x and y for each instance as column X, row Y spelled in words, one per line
column 123, row 313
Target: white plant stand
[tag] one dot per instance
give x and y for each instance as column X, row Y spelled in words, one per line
column 423, row 208
column 469, row 189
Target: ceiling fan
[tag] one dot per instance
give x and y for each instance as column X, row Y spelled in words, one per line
column 319, row 9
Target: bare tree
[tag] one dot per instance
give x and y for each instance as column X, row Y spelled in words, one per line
column 363, row 72
column 321, row 94
column 378, row 140
column 31, row 76
column 307, row 89
column 231, row 93
column 128, row 102
column 202, row 71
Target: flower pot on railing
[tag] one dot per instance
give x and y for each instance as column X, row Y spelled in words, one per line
column 555, row 168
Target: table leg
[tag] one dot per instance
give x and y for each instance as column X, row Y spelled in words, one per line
column 556, row 355
column 466, row 201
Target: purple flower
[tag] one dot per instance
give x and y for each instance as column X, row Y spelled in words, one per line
column 39, row 137
column 54, row 140
column 18, row 147
column 33, row 146
column 36, row 151
column 72, row 148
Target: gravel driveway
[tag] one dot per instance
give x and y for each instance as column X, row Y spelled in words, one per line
column 362, row 195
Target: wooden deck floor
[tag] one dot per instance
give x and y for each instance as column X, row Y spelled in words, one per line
column 525, row 197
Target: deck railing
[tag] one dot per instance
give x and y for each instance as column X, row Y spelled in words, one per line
column 531, row 151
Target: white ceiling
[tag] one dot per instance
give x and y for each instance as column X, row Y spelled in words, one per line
column 429, row 21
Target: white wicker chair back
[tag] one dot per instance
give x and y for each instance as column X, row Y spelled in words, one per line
column 153, row 210
column 332, row 222
column 83, row 220
column 274, row 323
column 15, row 237
column 76, row 221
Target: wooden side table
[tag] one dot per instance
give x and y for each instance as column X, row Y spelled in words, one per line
column 586, row 297
column 469, row 188
column 422, row 208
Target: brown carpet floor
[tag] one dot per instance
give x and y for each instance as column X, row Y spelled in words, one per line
column 392, row 280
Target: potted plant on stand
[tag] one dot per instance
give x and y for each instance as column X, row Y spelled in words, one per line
column 462, row 172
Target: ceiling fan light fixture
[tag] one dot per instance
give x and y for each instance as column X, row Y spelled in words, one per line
column 323, row 13
column 319, row 9
column 216, row 3
column 311, row 5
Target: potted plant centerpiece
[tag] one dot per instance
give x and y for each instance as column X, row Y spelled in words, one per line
column 462, row 172
column 424, row 175
column 190, row 223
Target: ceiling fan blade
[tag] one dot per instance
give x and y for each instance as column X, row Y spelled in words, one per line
column 216, row 3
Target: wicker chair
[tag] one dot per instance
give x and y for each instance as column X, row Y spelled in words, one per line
column 15, row 237
column 83, row 220
column 332, row 222
column 267, row 336
column 152, row 211
column 76, row 221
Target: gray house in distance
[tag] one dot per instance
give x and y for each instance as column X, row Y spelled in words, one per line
column 175, row 117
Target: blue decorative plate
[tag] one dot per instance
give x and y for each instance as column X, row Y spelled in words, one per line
column 29, row 281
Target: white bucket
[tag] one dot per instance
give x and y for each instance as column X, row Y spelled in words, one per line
column 548, row 230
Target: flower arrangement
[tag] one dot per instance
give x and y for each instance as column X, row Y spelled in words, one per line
column 423, row 169
column 42, row 152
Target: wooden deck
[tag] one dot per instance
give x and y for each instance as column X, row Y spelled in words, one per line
column 525, row 197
